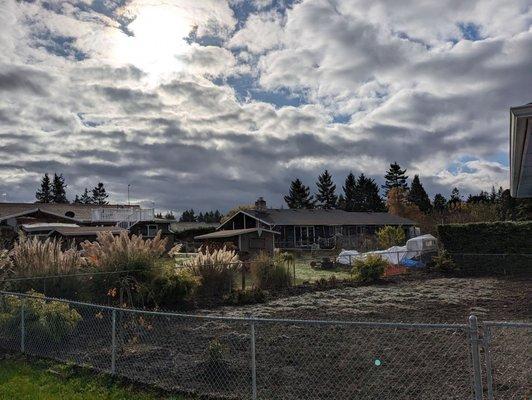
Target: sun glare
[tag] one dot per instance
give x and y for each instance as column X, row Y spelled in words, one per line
column 158, row 41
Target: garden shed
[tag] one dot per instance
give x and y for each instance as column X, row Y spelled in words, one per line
column 248, row 241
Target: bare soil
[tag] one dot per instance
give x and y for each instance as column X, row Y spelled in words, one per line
column 317, row 361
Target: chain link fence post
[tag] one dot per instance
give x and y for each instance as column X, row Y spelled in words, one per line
column 487, row 355
column 253, row 364
column 113, row 342
column 23, row 326
column 475, row 355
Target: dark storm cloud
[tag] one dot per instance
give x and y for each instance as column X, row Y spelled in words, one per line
column 22, row 79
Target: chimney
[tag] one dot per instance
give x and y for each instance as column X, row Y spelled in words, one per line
column 260, row 205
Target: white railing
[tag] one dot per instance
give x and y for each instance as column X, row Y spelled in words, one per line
column 122, row 214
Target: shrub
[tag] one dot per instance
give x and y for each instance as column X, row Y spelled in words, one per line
column 127, row 253
column 6, row 264
column 243, row 297
column 215, row 270
column 488, row 247
column 369, row 269
column 442, row 262
column 389, row 236
column 216, row 354
column 170, row 289
column 49, row 321
column 270, row 273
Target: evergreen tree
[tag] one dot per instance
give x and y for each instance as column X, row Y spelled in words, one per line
column 188, row 216
column 44, row 193
column 169, row 215
column 59, row 189
column 440, row 203
column 217, row 216
column 85, row 198
column 158, row 215
column 455, row 198
column 481, row 198
column 395, row 177
column 299, row 196
column 201, row 217
column 341, row 202
column 99, row 195
column 419, row 196
column 350, row 192
column 367, row 197
column 77, row 200
column 326, row 196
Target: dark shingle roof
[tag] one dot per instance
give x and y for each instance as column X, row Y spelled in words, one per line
column 328, row 217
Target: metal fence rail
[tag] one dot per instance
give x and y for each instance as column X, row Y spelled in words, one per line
column 257, row 358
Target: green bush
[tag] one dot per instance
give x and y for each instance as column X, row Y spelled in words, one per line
column 270, row 273
column 489, row 247
column 369, row 269
column 171, row 289
column 243, row 297
column 216, row 354
column 443, row 262
column 49, row 321
column 389, row 236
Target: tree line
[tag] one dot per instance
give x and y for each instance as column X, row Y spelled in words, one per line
column 208, row 217
column 363, row 194
column 54, row 191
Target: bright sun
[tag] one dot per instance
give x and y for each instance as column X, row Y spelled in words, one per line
column 158, row 41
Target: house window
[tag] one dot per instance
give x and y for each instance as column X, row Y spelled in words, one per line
column 151, row 230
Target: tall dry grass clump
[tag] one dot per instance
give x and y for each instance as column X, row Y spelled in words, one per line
column 34, row 257
column 271, row 273
column 123, row 252
column 216, row 270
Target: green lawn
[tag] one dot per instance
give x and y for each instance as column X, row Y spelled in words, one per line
column 42, row 380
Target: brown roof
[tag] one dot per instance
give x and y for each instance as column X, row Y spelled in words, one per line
column 87, row 230
column 232, row 233
column 276, row 217
column 82, row 212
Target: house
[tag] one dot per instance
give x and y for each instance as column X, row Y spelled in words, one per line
column 310, row 229
column 42, row 219
column 521, row 151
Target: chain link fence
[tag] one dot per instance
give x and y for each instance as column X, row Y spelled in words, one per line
column 251, row 358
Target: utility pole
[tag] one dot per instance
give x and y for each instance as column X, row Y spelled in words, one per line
column 128, row 187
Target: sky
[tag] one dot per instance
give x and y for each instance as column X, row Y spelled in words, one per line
column 210, row 104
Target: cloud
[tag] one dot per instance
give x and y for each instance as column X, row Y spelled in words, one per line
column 210, row 104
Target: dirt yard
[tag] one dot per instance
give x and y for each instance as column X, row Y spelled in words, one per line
column 310, row 361
column 438, row 300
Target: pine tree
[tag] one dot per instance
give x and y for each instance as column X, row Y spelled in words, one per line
column 419, row 196
column 326, row 196
column 217, row 216
column 59, row 189
column 440, row 203
column 350, row 192
column 341, row 202
column 169, row 215
column 188, row 216
column 367, row 197
column 85, row 198
column 395, row 177
column 455, row 198
column 99, row 195
column 299, row 196
column 76, row 200
column 44, row 193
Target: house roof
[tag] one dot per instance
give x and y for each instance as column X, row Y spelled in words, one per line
column 233, row 233
column 87, row 230
column 81, row 212
column 46, row 227
column 276, row 217
column 521, row 151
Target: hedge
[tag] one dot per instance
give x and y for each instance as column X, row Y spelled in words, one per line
column 472, row 245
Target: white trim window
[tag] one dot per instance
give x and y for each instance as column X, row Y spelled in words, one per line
column 151, row 230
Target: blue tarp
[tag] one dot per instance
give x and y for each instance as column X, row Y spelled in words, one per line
column 409, row 263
